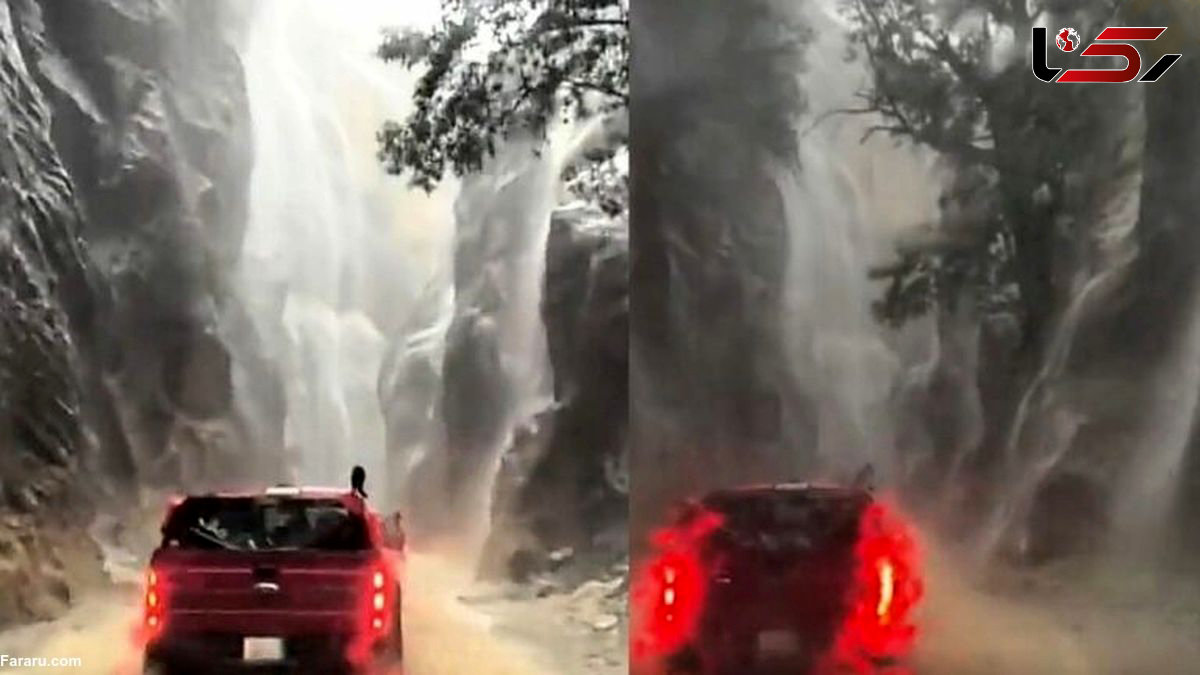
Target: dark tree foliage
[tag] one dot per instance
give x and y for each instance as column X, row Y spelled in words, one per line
column 495, row 68
column 1027, row 156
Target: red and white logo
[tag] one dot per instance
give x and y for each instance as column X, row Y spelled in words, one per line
column 1114, row 41
column 1067, row 39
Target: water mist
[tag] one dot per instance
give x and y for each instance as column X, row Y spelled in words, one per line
column 847, row 204
column 336, row 252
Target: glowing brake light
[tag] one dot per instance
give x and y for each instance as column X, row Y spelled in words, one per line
column 879, row 622
column 669, row 590
column 378, row 600
column 153, row 605
column 377, row 609
column 887, row 589
column 668, row 596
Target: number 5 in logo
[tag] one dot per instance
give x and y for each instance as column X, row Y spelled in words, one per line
column 1120, row 37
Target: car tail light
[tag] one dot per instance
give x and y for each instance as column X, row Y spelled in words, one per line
column 887, row 587
column 154, row 604
column 379, row 605
column 669, row 593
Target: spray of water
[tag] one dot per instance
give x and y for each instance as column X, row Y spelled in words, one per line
column 845, row 206
column 510, row 207
column 848, row 205
column 335, row 251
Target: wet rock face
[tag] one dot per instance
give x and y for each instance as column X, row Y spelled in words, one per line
column 474, row 400
column 1068, row 517
column 44, row 312
column 561, row 484
column 122, row 171
column 490, row 364
column 42, row 271
column 576, row 489
column 714, row 134
column 1127, row 378
column 150, row 120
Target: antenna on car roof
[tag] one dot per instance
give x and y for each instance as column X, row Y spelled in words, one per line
column 358, row 478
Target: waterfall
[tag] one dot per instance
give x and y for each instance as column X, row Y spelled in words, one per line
column 336, row 252
column 1143, row 512
column 849, row 204
column 502, row 218
column 846, row 206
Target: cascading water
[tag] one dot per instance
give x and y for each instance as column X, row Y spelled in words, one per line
column 503, row 218
column 846, row 205
column 336, row 252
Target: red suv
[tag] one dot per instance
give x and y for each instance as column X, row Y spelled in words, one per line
column 791, row 578
column 293, row 579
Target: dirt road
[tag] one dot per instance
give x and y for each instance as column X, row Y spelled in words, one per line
column 1048, row 627
column 965, row 630
column 1046, row 622
column 442, row 635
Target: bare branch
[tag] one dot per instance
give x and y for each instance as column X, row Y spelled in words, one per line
column 823, row 117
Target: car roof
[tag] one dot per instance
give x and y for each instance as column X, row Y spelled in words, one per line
column 291, row 491
column 767, row 490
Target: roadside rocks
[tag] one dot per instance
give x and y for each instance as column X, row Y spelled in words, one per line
column 43, row 566
column 600, row 603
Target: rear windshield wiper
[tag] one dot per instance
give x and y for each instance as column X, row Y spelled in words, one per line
column 212, row 538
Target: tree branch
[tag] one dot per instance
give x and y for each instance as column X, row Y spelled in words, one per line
column 593, row 23
column 820, row 119
column 597, row 87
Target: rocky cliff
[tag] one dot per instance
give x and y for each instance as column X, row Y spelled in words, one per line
column 122, row 197
column 713, row 126
column 464, row 371
column 46, row 319
column 151, row 122
column 563, row 479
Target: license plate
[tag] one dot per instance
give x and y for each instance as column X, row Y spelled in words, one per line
column 262, row 649
column 778, row 643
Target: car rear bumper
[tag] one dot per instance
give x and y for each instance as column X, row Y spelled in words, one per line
column 222, row 652
column 759, row 636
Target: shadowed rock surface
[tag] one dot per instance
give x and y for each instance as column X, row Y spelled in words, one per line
column 122, row 172
column 717, row 96
column 563, row 479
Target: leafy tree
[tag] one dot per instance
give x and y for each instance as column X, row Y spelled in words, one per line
column 496, row 68
column 1030, row 158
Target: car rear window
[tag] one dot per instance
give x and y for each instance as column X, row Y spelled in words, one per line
column 809, row 519
column 265, row 524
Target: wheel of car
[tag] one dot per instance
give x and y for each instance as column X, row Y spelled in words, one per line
column 158, row 668
column 734, row 655
column 686, row 661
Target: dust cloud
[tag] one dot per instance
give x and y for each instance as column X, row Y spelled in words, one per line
column 442, row 635
column 980, row 621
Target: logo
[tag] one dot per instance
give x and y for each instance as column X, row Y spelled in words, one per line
column 1067, row 39
column 1112, row 41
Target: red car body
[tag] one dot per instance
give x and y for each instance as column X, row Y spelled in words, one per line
column 317, row 592
column 778, row 579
